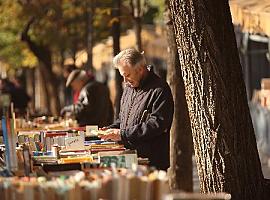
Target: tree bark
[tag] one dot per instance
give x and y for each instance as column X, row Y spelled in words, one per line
column 43, row 91
column 44, row 56
column 90, row 8
column 223, row 135
column 136, row 14
column 116, row 49
column 30, row 85
column 180, row 171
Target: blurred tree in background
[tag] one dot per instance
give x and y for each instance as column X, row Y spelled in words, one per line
column 44, row 33
column 13, row 52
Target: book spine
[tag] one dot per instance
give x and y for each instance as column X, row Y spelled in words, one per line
column 5, row 134
column 13, row 158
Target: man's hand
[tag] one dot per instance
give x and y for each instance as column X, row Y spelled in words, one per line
column 103, row 128
column 63, row 111
column 111, row 134
column 67, row 109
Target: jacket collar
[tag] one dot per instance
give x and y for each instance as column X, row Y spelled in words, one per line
column 147, row 77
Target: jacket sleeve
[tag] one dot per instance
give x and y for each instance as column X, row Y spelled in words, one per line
column 84, row 104
column 115, row 124
column 157, row 122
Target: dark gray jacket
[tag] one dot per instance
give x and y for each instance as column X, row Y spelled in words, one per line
column 145, row 120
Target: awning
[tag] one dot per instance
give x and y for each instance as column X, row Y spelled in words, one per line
column 252, row 15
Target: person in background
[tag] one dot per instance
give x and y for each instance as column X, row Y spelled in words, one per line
column 146, row 110
column 93, row 105
column 18, row 95
column 69, row 96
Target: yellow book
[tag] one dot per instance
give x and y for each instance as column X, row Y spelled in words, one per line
column 78, row 159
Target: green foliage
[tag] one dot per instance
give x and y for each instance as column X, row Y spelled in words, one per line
column 160, row 6
column 151, row 10
column 60, row 25
column 10, row 45
column 150, row 15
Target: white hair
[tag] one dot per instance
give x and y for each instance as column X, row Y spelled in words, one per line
column 131, row 56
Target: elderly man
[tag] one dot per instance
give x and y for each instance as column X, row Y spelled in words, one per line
column 92, row 105
column 146, row 110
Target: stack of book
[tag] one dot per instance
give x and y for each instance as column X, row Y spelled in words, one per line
column 10, row 139
column 65, row 146
column 103, row 184
column 95, row 148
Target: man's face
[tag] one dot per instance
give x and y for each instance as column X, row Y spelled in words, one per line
column 132, row 75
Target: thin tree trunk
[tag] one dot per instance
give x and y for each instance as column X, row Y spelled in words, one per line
column 90, row 15
column 44, row 56
column 116, row 50
column 30, row 85
column 73, row 52
column 44, row 101
column 51, row 90
column 223, row 136
column 180, row 171
column 136, row 14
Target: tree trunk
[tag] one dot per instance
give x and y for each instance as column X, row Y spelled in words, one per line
column 136, row 14
column 180, row 171
column 51, row 90
column 223, row 135
column 116, row 50
column 90, row 7
column 44, row 56
column 30, row 85
column 43, row 92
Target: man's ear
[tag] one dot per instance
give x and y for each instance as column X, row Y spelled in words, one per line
column 141, row 69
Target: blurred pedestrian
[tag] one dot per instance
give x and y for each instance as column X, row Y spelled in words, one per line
column 93, row 105
column 18, row 95
column 68, row 90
